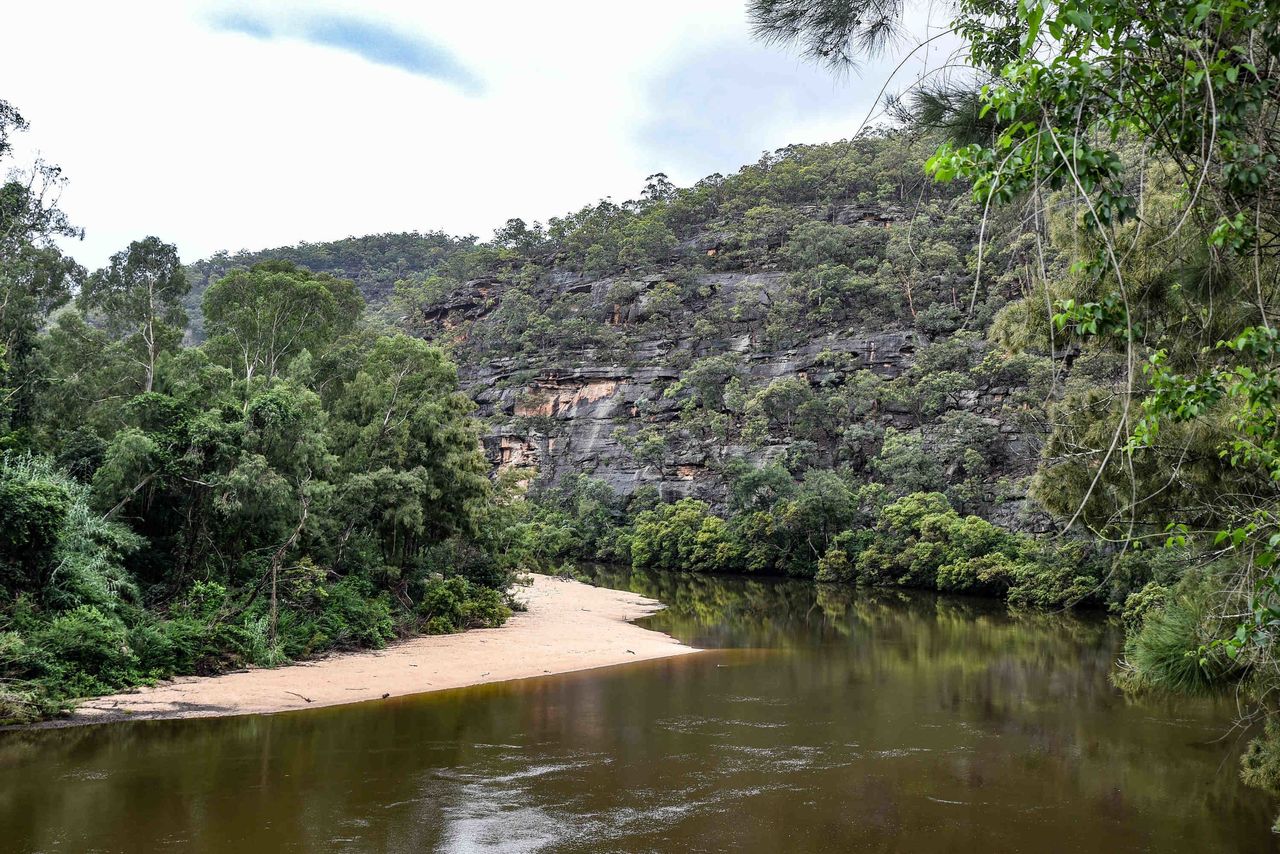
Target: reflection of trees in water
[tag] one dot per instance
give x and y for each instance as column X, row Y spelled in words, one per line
column 1032, row 688
column 970, row 652
column 783, row 613
column 920, row 695
column 724, row 611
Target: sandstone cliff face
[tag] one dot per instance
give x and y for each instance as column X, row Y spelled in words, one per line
column 580, row 411
column 833, row 269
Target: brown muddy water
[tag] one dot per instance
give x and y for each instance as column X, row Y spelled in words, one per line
column 825, row 720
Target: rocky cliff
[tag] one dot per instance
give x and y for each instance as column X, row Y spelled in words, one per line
column 583, row 411
column 818, row 310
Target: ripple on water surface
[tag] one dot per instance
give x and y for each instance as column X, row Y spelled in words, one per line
column 833, row 721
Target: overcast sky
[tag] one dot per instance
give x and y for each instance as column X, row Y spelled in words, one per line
column 219, row 125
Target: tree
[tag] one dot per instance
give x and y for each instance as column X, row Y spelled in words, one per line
column 706, row 380
column 834, row 32
column 411, row 452
column 517, row 234
column 260, row 318
column 658, row 188
column 90, row 378
column 646, row 240
column 823, row 507
column 683, row 536
column 775, row 409
column 904, row 465
column 1156, row 125
column 140, row 294
column 35, row 277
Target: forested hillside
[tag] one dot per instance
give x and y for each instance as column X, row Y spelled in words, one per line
column 1018, row 340
column 374, row 263
column 744, row 374
column 303, row 480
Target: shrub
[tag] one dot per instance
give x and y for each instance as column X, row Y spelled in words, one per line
column 454, row 604
column 1172, row 651
column 1142, row 603
column 456, row 556
column 1260, row 764
column 46, row 521
column 683, row 536
column 85, row 651
column 988, row 573
column 353, row 616
column 1051, row 585
column 33, row 509
column 939, row 319
column 1134, row 571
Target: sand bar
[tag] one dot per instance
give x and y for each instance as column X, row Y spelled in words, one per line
column 569, row 626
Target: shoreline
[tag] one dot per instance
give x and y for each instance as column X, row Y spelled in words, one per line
column 568, row 627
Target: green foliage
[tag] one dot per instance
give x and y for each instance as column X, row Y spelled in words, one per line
column 922, row 542
column 84, row 651
column 1166, row 649
column 903, row 464
column 35, row 510
column 454, row 604
column 54, row 547
column 298, row 483
column 1260, row 764
column 139, row 295
column 35, row 277
column 683, row 536
column 376, row 263
column 353, row 615
column 823, row 528
column 259, row 319
column 839, row 564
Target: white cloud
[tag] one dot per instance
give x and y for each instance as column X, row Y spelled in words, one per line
column 167, row 124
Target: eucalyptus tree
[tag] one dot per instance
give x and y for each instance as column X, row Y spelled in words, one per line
column 409, row 450
column 35, row 276
column 139, row 294
column 261, row 318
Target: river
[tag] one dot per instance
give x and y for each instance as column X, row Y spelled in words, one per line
column 822, row 720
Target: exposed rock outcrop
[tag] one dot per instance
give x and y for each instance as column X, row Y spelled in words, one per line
column 581, row 410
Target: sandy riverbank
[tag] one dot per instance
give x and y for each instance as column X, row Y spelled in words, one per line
column 569, row 626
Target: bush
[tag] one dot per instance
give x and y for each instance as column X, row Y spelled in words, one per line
column 1051, row 585
column 683, row 536
column 454, row 604
column 834, row 567
column 1141, row 604
column 1172, row 650
column 353, row 616
column 988, row 573
column 46, row 521
column 939, row 319
column 456, row 556
column 166, row 647
column 838, row 564
column 1133, row 571
column 84, row 651
column 33, row 510
column 1260, row 764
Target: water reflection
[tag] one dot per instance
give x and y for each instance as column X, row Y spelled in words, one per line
column 826, row 721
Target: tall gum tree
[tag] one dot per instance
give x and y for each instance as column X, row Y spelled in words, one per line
column 139, row 294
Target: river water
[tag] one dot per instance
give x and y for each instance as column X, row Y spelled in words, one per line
column 824, row 720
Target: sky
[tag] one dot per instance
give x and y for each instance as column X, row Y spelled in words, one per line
column 220, row 125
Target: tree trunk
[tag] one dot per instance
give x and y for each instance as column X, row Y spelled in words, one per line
column 278, row 558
